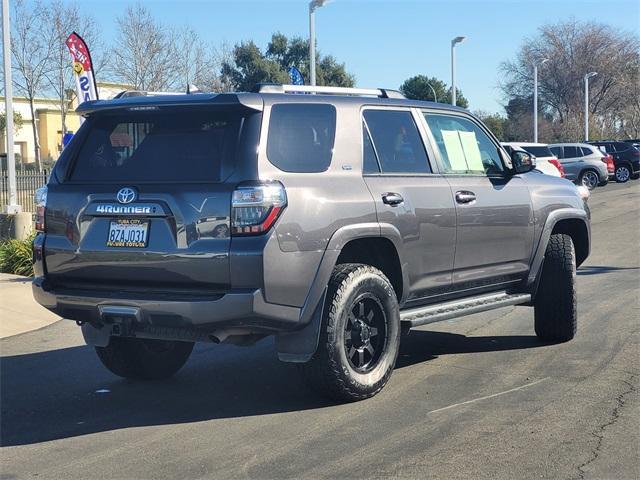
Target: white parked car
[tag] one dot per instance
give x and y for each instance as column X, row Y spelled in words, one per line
column 546, row 161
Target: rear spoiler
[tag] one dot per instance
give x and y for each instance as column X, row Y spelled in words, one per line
column 143, row 101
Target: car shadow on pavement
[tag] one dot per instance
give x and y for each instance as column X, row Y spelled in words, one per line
column 66, row 392
column 598, row 269
column 421, row 345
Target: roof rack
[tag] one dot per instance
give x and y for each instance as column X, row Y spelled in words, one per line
column 372, row 92
column 141, row 93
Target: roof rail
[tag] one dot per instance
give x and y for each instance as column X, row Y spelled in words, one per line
column 372, row 92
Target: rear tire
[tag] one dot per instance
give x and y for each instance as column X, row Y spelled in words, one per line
column 556, row 303
column 144, row 359
column 589, row 179
column 622, row 173
column 359, row 337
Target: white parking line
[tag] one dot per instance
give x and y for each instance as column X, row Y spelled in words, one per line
column 489, row 396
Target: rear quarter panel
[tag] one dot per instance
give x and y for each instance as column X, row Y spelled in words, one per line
column 318, row 205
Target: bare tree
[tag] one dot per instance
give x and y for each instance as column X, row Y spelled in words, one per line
column 32, row 45
column 145, row 54
column 573, row 49
column 64, row 19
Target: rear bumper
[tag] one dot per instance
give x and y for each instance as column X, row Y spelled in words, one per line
column 237, row 309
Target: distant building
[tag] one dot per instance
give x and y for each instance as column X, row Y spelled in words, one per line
column 48, row 123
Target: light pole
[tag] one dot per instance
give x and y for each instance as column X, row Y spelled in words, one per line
column 535, row 99
column 435, row 97
column 453, row 67
column 586, row 104
column 13, row 206
column 313, row 6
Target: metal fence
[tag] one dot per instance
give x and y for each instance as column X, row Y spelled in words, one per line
column 27, row 184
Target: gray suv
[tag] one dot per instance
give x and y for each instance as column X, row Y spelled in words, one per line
column 332, row 219
column 583, row 163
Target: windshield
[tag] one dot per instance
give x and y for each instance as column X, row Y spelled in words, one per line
column 185, row 145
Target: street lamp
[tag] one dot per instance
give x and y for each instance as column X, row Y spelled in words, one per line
column 535, row 98
column 435, row 97
column 313, row 6
column 586, row 104
column 453, row 67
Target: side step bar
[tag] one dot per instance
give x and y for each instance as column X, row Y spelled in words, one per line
column 459, row 308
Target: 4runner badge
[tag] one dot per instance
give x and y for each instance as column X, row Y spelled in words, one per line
column 126, row 195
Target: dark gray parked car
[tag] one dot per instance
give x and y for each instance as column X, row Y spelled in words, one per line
column 583, row 164
column 334, row 221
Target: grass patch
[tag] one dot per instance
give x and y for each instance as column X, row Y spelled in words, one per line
column 16, row 257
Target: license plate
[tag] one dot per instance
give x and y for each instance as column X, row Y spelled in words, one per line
column 131, row 233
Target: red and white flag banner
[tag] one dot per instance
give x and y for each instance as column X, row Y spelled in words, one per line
column 82, row 68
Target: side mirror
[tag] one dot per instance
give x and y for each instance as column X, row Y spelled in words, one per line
column 522, row 161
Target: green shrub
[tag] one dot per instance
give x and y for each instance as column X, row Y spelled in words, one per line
column 15, row 257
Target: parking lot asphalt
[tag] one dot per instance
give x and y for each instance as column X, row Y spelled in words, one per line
column 477, row 397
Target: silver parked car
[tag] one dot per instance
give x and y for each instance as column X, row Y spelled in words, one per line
column 583, row 164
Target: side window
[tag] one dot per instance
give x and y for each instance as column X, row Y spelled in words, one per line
column 397, row 142
column 369, row 160
column 301, row 136
column 620, row 147
column 464, row 147
column 557, row 151
column 572, row 152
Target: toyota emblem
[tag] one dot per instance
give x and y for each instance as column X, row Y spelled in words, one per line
column 126, row 195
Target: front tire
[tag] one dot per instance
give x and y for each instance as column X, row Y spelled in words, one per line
column 359, row 337
column 144, row 359
column 556, row 303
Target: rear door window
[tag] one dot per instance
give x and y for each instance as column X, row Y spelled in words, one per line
column 369, row 158
column 157, row 146
column 396, row 141
column 572, row 152
column 301, row 137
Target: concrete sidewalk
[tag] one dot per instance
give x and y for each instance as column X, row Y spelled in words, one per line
column 19, row 312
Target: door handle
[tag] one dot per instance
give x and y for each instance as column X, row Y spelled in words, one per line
column 392, row 199
column 464, row 196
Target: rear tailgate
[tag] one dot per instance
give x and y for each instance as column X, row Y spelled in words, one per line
column 145, row 202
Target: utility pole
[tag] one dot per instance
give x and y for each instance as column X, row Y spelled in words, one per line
column 535, row 100
column 586, row 104
column 13, row 206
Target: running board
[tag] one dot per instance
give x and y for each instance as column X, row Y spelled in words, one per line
column 459, row 308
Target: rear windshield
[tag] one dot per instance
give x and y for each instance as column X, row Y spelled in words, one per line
column 180, row 145
column 538, row 151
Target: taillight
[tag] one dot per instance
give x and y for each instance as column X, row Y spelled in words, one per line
column 558, row 165
column 256, row 207
column 40, row 199
column 609, row 161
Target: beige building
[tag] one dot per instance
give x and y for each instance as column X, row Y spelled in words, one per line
column 49, row 124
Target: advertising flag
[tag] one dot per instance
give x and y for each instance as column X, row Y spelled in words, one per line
column 82, row 68
column 295, row 76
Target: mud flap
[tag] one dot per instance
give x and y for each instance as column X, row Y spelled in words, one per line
column 97, row 337
column 300, row 345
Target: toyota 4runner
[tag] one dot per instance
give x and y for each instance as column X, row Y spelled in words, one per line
column 333, row 219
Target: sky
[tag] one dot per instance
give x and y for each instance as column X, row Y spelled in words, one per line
column 384, row 42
